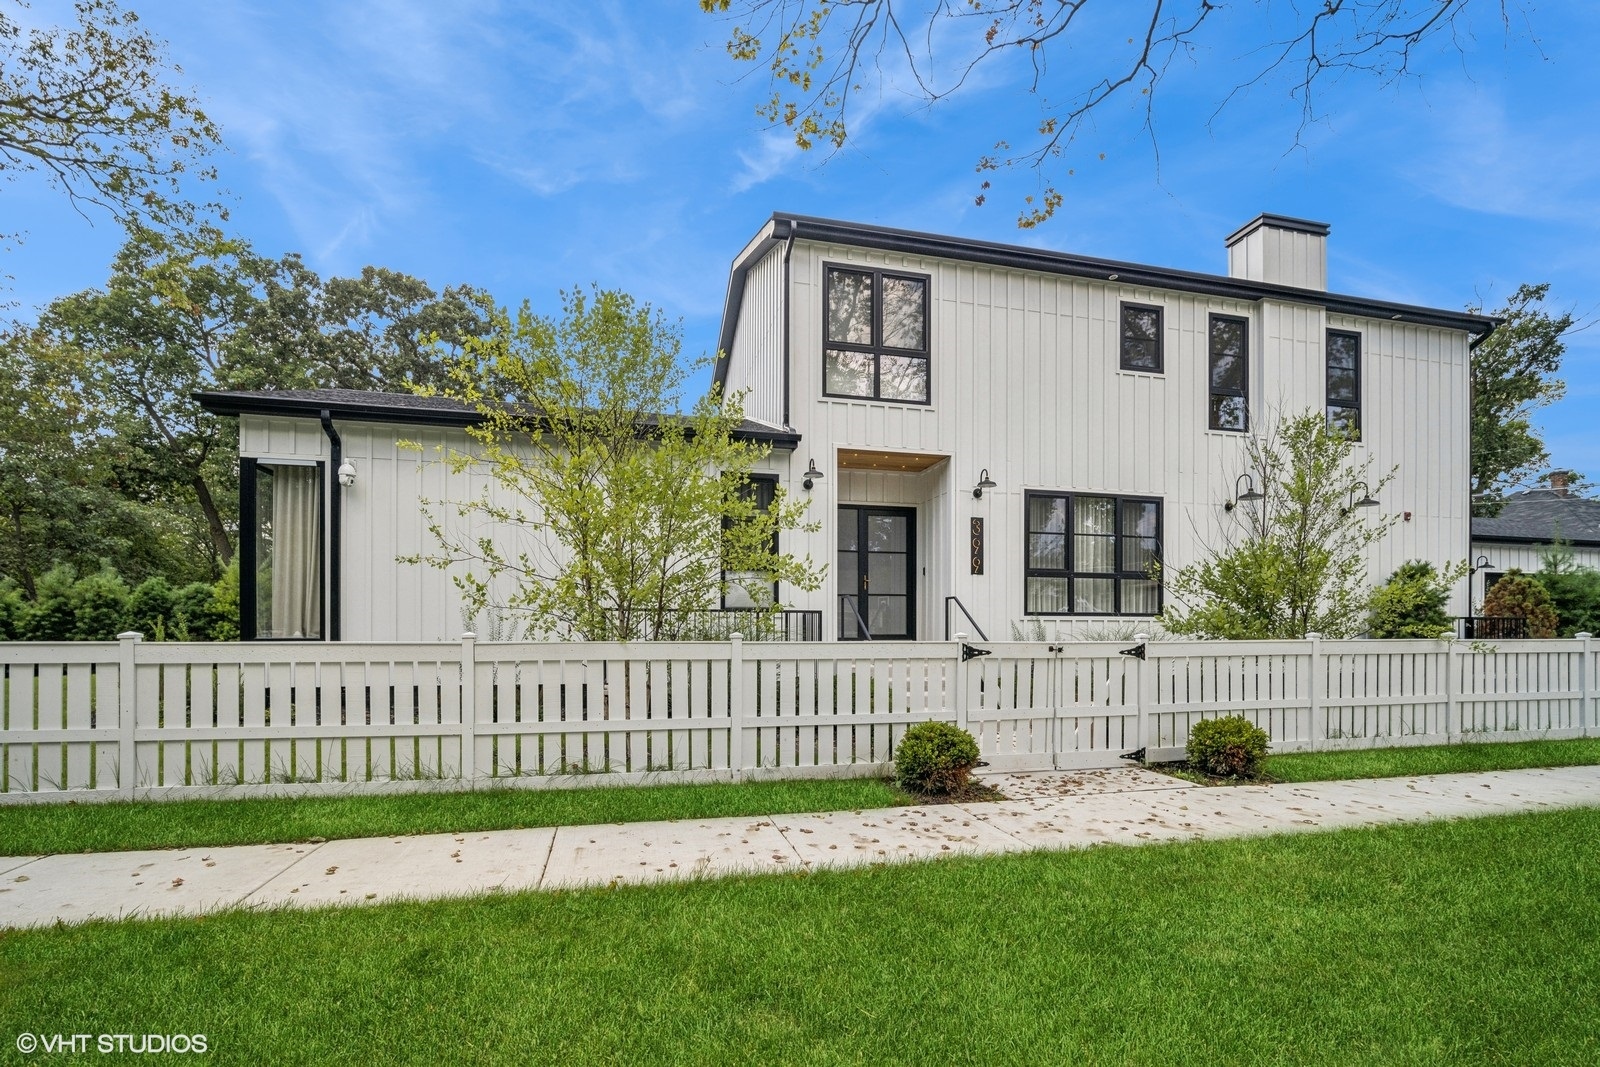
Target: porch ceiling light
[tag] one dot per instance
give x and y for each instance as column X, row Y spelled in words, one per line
column 1244, row 492
column 984, row 482
column 1366, row 500
column 812, row 474
column 347, row 474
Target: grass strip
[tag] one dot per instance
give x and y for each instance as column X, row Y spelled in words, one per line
column 1432, row 759
column 1460, row 942
column 39, row 829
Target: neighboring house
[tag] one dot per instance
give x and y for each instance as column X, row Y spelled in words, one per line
column 1006, row 430
column 1528, row 525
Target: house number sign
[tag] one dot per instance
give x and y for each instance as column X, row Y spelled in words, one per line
column 977, row 546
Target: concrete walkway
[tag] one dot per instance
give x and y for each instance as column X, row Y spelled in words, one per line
column 1054, row 810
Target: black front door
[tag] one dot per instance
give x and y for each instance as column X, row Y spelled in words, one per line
column 877, row 573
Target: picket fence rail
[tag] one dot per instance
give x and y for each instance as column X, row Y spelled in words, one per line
column 130, row 719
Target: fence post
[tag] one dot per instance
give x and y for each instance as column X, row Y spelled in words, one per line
column 127, row 709
column 961, row 685
column 469, row 708
column 1319, row 688
column 1144, row 697
column 736, row 705
column 1452, row 732
column 1586, row 684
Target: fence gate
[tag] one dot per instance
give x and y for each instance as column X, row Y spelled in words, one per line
column 1039, row 706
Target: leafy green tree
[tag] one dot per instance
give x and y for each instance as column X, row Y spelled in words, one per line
column 91, row 108
column 1521, row 596
column 1076, row 60
column 614, row 518
column 1574, row 591
column 1412, row 602
column 1513, row 375
column 193, row 311
column 1300, row 564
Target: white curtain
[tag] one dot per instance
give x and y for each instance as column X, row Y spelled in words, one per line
column 296, row 552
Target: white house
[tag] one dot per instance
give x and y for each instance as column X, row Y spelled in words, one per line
column 1528, row 526
column 989, row 434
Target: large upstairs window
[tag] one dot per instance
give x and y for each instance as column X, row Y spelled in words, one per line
column 875, row 335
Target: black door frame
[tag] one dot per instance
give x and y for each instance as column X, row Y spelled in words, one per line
column 910, row 515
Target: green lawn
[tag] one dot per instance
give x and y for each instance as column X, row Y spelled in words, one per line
column 30, row 829
column 1461, row 942
column 1434, row 759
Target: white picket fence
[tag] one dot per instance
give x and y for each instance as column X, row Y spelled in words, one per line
column 131, row 719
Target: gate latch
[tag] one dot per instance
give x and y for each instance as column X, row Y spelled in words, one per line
column 973, row 652
column 1137, row 651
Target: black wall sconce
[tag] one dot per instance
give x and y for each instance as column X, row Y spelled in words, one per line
column 1244, row 492
column 811, row 475
column 984, row 482
column 1366, row 501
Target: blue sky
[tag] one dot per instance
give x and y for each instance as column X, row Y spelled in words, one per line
column 530, row 148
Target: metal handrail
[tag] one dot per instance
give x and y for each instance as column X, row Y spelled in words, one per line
column 982, row 636
column 861, row 624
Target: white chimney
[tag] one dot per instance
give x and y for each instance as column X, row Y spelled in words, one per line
column 1280, row 250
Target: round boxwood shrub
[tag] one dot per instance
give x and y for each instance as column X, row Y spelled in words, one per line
column 935, row 759
column 1229, row 747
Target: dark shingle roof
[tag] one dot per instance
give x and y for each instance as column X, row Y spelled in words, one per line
column 361, row 405
column 1540, row 516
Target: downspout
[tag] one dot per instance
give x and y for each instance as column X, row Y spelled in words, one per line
column 335, row 521
column 788, row 249
column 1472, row 348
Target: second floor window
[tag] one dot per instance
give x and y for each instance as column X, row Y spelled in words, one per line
column 875, row 335
column 1141, row 338
column 1344, row 382
column 1230, row 373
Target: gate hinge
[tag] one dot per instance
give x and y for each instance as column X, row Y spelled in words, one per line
column 1137, row 755
column 1137, row 651
column 1057, row 648
column 973, row 652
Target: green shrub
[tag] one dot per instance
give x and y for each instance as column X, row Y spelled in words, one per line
column 1412, row 602
column 1574, row 592
column 51, row 616
column 1519, row 596
column 935, row 758
column 12, row 605
column 99, row 606
column 1229, row 747
column 150, row 609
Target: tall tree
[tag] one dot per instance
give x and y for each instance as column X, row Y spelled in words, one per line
column 617, row 518
column 1073, row 58
column 93, row 110
column 1513, row 375
column 196, row 310
column 1299, row 565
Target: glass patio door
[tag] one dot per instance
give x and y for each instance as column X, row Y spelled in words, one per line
column 876, row 566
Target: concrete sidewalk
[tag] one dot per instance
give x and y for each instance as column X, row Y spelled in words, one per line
column 1054, row 810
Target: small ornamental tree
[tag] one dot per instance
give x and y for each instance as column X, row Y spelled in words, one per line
column 1296, row 560
column 610, row 513
column 1574, row 592
column 1412, row 602
column 1519, row 596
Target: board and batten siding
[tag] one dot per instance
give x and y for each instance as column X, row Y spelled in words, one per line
column 1026, row 382
column 756, row 364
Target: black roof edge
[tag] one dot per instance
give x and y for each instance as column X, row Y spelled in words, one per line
column 1507, row 539
column 265, row 402
column 1279, row 222
column 1020, row 257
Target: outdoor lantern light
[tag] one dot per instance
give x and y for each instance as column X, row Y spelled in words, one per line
column 812, row 474
column 1366, row 500
column 984, row 482
column 1479, row 564
column 347, row 474
column 1241, row 494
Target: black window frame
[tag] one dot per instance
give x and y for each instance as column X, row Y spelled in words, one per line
column 1328, row 401
column 1159, row 340
column 1070, row 571
column 768, row 480
column 877, row 349
column 249, row 469
column 1212, row 392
